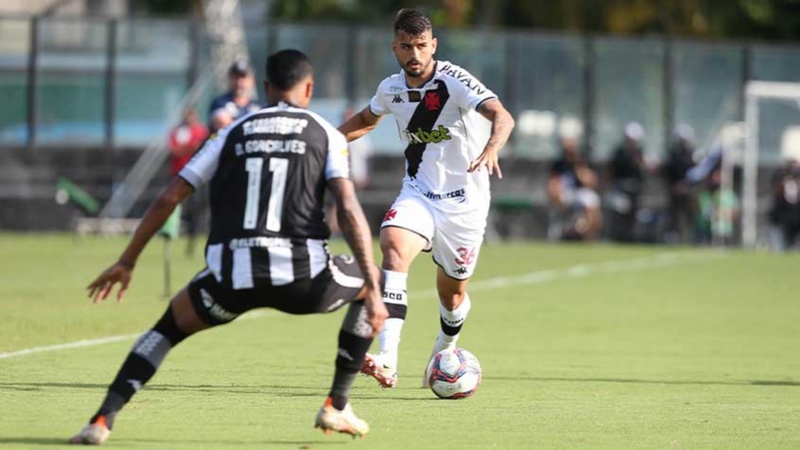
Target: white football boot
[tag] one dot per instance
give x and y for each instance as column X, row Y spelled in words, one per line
column 379, row 368
column 93, row 434
column 330, row 419
column 438, row 346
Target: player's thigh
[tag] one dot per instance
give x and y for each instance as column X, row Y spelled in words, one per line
column 407, row 229
column 457, row 243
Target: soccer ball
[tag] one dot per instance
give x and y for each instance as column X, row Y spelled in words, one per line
column 454, row 373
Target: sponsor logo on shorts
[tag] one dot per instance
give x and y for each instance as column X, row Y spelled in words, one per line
column 461, row 270
column 214, row 309
column 390, row 215
column 336, row 305
column 458, row 193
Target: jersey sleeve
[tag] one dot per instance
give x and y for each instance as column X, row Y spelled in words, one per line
column 199, row 170
column 470, row 92
column 378, row 104
column 337, row 164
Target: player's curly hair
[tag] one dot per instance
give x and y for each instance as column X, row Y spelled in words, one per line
column 411, row 22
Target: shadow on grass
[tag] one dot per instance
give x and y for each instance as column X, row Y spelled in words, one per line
column 30, row 441
column 783, row 383
column 35, row 441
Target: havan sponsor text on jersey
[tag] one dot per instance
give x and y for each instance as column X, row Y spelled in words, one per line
column 443, row 132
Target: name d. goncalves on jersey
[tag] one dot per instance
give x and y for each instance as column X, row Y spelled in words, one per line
column 421, row 136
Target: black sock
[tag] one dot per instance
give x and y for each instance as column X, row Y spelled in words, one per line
column 353, row 346
column 141, row 364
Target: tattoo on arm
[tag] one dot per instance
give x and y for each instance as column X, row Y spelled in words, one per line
column 502, row 122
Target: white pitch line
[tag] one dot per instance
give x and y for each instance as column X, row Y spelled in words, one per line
column 538, row 277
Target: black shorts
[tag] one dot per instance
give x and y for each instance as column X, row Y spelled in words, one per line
column 334, row 287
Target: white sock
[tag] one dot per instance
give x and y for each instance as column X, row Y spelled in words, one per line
column 452, row 321
column 395, row 296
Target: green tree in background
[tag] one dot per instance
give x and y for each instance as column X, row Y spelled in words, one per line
column 759, row 19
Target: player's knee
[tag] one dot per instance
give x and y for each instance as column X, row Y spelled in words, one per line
column 395, row 257
column 452, row 299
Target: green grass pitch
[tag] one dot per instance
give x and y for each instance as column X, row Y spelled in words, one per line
column 581, row 346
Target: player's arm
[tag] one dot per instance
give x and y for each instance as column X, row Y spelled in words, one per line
column 502, row 124
column 359, row 124
column 153, row 220
column 357, row 234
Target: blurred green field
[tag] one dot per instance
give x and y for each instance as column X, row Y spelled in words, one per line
column 582, row 347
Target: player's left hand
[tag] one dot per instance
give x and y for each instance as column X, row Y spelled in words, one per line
column 489, row 160
column 120, row 273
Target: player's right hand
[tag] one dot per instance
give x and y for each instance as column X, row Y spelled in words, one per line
column 120, row 273
column 376, row 309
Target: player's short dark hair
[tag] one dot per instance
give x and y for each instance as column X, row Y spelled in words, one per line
column 412, row 22
column 286, row 68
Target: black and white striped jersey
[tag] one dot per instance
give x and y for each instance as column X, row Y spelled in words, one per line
column 267, row 174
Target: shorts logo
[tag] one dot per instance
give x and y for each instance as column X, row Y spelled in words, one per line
column 461, row 270
column 214, row 309
column 466, row 256
column 390, row 215
column 397, row 99
column 432, row 101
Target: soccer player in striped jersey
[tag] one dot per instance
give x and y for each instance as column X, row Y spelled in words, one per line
column 454, row 127
column 267, row 246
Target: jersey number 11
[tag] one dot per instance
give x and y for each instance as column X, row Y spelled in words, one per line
column 279, row 167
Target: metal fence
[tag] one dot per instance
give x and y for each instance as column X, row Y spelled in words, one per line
column 97, row 82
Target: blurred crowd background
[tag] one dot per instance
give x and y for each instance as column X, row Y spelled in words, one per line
column 631, row 114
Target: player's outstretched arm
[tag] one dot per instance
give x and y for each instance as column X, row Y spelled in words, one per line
column 359, row 124
column 356, row 232
column 153, row 220
column 502, row 124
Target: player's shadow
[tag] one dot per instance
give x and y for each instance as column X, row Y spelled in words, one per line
column 33, row 441
column 41, row 441
column 783, row 383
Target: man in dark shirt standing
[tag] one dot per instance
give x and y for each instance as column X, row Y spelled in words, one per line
column 627, row 172
column 680, row 158
column 239, row 99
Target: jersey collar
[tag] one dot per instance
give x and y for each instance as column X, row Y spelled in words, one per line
column 433, row 75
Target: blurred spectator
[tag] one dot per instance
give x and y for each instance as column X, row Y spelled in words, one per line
column 784, row 216
column 626, row 173
column 238, row 101
column 184, row 140
column 571, row 186
column 681, row 202
column 718, row 211
column 360, row 152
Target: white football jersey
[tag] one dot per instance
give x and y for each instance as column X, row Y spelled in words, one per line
column 443, row 133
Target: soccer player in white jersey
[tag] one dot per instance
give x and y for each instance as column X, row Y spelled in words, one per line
column 454, row 127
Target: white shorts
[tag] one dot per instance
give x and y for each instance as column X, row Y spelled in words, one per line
column 454, row 237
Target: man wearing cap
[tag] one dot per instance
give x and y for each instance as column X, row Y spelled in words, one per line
column 239, row 99
column 627, row 172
